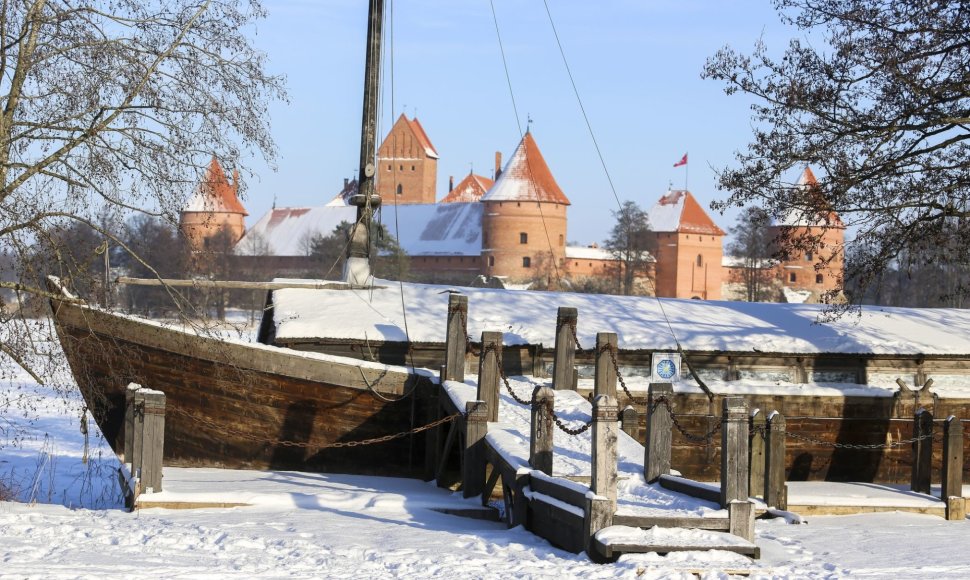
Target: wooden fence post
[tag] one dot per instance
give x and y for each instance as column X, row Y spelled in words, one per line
column 489, row 372
column 776, row 492
column 734, row 450
column 756, row 454
column 130, row 431
column 605, row 432
column 473, row 465
column 951, row 488
column 564, row 358
column 741, row 519
column 541, row 437
column 922, row 451
column 629, row 422
column 605, row 377
column 456, row 338
column 596, row 516
column 656, row 450
column 153, row 440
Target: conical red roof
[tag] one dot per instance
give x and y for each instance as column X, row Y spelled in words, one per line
column 678, row 211
column 472, row 188
column 526, row 177
column 215, row 193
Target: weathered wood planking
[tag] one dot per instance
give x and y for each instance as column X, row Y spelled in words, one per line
column 232, row 405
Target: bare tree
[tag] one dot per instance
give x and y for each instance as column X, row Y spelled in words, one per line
column 117, row 104
column 752, row 244
column 628, row 243
column 879, row 102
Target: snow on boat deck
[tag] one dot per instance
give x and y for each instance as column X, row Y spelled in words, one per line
column 529, row 318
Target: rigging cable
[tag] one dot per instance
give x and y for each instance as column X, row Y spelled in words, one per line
column 589, row 127
column 542, row 217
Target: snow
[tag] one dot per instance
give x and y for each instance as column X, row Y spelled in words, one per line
column 450, row 229
column 667, row 537
column 588, row 253
column 529, row 318
column 67, row 522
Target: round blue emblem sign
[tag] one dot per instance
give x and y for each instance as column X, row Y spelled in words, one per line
column 666, row 368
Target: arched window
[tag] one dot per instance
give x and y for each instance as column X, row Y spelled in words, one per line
column 791, row 277
column 700, row 260
column 400, row 189
column 818, row 278
column 526, row 262
column 523, row 238
column 562, row 240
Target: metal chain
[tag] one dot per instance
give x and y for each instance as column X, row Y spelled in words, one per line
column 705, row 438
column 900, row 443
column 572, row 328
column 464, row 324
column 616, row 369
column 532, row 404
column 307, row 445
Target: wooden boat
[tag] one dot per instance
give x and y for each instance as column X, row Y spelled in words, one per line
column 238, row 405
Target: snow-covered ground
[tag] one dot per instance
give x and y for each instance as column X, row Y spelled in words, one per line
column 67, row 522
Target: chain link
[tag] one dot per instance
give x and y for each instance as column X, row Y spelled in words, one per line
column 533, row 404
column 705, row 438
column 572, row 329
column 307, row 445
column 616, row 367
column 819, row 442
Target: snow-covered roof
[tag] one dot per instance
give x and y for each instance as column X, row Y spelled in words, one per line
column 286, row 230
column 530, row 317
column 588, row 253
column 452, row 229
column 215, row 193
column 526, row 177
column 739, row 262
column 470, row 189
column 449, row 229
column 803, row 216
column 678, row 211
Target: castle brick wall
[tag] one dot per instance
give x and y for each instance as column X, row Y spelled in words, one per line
column 504, row 249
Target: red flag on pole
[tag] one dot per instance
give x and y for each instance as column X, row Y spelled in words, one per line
column 683, row 161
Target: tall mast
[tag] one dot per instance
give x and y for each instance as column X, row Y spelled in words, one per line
column 357, row 265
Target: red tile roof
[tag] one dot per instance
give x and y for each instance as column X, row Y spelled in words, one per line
column 678, row 211
column 215, row 193
column 526, row 177
column 472, row 188
column 420, row 135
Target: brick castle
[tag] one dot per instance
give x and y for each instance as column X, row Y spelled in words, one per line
column 510, row 227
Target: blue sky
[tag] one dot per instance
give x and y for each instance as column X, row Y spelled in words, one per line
column 636, row 64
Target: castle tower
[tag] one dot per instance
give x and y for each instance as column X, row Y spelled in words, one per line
column 470, row 189
column 524, row 219
column 687, row 245
column 214, row 207
column 407, row 164
column 807, row 269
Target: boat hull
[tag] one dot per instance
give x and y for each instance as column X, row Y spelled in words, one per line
column 237, row 405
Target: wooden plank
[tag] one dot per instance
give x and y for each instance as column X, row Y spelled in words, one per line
column 741, row 519
column 951, row 482
column 657, row 447
column 563, row 493
column 564, row 357
column 775, row 489
column 690, row 487
column 153, row 439
column 756, row 454
column 473, row 465
column 562, row 528
column 629, row 422
column 241, row 284
column 490, row 485
column 542, row 429
column 734, row 450
column 489, row 372
column 456, row 337
column 646, row 522
column 605, row 372
column 130, row 421
column 597, row 515
column 446, row 453
column 612, row 550
column 922, row 451
column 603, row 452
